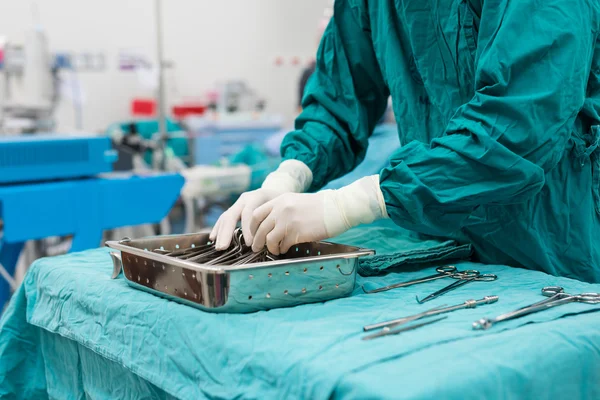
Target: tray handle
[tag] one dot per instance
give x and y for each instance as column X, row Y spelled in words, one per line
column 117, row 264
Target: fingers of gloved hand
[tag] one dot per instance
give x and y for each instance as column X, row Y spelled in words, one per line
column 246, row 224
column 227, row 223
column 260, row 238
column 214, row 231
column 275, row 237
column 258, row 216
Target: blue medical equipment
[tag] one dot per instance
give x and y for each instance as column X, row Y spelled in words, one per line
column 54, row 187
column 214, row 140
column 177, row 140
column 46, row 157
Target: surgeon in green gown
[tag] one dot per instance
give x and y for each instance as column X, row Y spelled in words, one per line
column 498, row 109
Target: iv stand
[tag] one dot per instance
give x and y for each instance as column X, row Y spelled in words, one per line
column 162, row 119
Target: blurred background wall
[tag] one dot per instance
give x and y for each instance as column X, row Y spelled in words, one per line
column 205, row 40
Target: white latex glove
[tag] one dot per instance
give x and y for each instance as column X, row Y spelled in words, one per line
column 290, row 177
column 294, row 218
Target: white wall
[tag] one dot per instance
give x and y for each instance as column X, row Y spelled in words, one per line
column 208, row 40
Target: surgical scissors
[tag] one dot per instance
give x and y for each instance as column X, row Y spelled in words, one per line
column 557, row 297
column 442, row 272
column 463, row 279
column 431, row 312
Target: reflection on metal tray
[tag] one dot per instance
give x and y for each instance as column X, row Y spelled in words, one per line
column 309, row 272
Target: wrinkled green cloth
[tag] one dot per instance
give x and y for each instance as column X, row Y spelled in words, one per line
column 71, row 332
column 404, row 249
column 498, row 107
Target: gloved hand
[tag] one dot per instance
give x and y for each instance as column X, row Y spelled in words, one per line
column 294, row 218
column 291, row 177
column 242, row 210
column 289, row 219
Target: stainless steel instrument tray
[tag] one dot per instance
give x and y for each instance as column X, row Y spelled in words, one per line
column 309, row 272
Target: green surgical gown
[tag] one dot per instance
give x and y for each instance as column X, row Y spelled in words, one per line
column 498, row 109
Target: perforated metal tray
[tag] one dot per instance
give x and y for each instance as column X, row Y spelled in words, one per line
column 310, row 272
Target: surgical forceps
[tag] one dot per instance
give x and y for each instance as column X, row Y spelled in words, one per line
column 464, row 278
column 237, row 253
column 433, row 311
column 557, row 297
column 442, row 272
column 388, row 332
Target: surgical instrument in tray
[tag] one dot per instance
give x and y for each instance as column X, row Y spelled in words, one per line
column 237, row 254
column 442, row 272
column 557, row 297
column 188, row 269
column 431, row 312
column 466, row 277
column 389, row 332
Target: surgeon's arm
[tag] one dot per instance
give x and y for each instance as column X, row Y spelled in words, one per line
column 532, row 65
column 344, row 98
column 343, row 101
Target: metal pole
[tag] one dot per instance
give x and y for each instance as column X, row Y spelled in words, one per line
column 162, row 121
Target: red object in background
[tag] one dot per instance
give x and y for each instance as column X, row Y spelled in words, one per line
column 143, row 107
column 183, row 110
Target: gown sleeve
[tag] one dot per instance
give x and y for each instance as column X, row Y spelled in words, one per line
column 531, row 68
column 345, row 98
